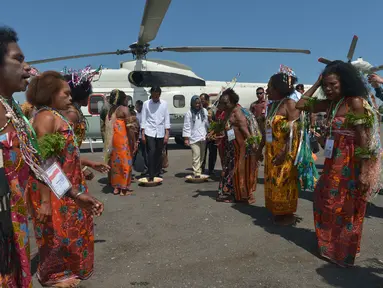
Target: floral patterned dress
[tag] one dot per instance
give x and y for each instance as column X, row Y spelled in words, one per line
column 66, row 240
column 17, row 174
column 240, row 167
column 120, row 156
column 281, row 182
column 339, row 206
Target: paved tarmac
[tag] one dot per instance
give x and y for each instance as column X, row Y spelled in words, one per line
column 177, row 235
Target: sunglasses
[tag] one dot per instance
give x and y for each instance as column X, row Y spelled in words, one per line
column 260, row 93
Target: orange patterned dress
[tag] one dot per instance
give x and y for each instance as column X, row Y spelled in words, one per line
column 120, row 156
column 240, row 166
column 66, row 241
column 17, row 174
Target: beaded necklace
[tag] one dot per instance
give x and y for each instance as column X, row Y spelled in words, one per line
column 26, row 134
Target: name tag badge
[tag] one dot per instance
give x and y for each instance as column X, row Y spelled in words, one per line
column 269, row 135
column 230, row 135
column 57, row 180
column 329, row 147
column 6, row 138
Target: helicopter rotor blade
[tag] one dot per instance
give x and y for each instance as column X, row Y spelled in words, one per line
column 376, row 68
column 227, row 49
column 47, row 60
column 154, row 13
column 324, row 61
column 351, row 51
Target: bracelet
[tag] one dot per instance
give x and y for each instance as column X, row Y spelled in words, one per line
column 78, row 194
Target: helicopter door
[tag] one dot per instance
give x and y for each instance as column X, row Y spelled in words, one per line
column 95, row 103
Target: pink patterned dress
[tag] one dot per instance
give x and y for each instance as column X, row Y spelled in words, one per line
column 17, row 174
column 339, row 206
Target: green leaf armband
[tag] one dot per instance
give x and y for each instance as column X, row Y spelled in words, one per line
column 363, row 153
column 51, row 145
column 354, row 120
column 256, row 139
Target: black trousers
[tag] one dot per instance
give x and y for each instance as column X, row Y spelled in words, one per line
column 154, row 148
column 210, row 145
column 142, row 149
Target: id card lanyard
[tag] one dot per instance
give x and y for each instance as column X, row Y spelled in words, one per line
column 329, row 146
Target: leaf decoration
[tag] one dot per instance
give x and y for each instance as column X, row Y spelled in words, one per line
column 51, row 145
column 352, row 119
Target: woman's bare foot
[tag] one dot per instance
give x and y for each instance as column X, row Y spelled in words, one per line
column 126, row 192
column 68, row 283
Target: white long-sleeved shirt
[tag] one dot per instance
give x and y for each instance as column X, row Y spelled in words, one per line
column 155, row 118
column 195, row 131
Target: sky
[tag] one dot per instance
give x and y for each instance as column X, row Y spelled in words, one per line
column 59, row 28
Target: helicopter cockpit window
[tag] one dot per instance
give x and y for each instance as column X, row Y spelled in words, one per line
column 179, row 101
column 162, row 79
column 95, row 104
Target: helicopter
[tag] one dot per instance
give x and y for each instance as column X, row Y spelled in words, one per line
column 177, row 81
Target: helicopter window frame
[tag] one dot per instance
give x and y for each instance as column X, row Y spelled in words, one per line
column 90, row 103
column 130, row 100
column 162, row 79
column 182, row 100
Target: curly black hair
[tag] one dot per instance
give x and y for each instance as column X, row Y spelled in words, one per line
column 233, row 97
column 7, row 35
column 280, row 83
column 351, row 81
column 79, row 92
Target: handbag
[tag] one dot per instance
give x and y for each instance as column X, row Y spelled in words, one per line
column 165, row 160
column 314, row 145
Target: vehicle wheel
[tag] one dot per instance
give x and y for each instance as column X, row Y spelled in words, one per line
column 179, row 140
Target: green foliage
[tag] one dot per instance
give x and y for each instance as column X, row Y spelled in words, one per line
column 51, row 145
column 365, row 120
column 310, row 103
column 363, row 152
column 217, row 126
column 255, row 139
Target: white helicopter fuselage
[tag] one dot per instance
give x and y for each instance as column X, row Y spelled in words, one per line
column 177, row 81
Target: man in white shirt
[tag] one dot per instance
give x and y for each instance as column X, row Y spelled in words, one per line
column 155, row 127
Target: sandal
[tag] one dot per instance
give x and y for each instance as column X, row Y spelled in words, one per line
column 116, row 191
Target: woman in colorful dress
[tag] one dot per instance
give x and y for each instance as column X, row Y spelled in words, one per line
column 18, row 155
column 240, row 164
column 117, row 145
column 352, row 169
column 81, row 88
column 281, row 138
column 63, row 226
